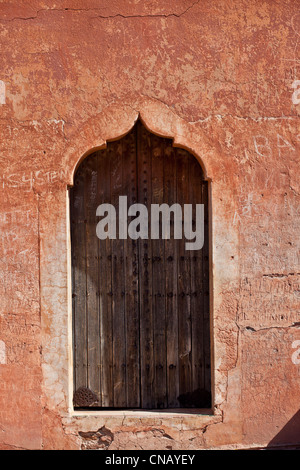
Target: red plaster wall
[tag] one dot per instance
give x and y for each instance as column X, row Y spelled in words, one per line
column 219, row 76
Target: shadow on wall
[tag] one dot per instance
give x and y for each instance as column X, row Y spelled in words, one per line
column 289, row 436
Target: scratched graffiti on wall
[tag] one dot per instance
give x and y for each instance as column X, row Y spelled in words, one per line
column 18, row 259
column 264, row 148
column 271, row 299
column 28, row 180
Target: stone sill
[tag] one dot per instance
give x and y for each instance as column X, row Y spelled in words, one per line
column 179, row 419
column 170, row 413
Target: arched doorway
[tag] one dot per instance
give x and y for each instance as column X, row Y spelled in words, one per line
column 141, row 327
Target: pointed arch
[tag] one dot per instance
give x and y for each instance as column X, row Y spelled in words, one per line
column 116, row 121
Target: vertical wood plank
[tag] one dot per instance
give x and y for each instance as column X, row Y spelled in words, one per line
column 206, row 288
column 158, row 280
column 78, row 243
column 115, row 151
column 171, row 273
column 145, row 289
column 131, row 278
column 105, row 289
column 183, row 299
column 197, row 295
column 92, row 280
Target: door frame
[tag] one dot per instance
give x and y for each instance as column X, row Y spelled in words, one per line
column 210, row 274
column 92, row 150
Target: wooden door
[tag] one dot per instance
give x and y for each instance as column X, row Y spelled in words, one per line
column 141, row 330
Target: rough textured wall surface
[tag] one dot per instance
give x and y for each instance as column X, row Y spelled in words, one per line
column 220, row 77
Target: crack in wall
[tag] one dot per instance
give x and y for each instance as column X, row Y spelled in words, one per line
column 117, row 15
column 244, row 118
column 280, row 275
column 254, row 330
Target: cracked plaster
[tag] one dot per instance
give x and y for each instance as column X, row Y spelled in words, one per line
column 212, row 85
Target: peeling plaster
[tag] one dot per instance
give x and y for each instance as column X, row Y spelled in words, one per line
column 214, row 85
column 2, row 92
column 2, row 353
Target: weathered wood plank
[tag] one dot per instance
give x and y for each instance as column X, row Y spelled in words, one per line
column 197, row 295
column 145, row 262
column 206, row 290
column 92, row 275
column 183, row 298
column 105, row 289
column 78, row 243
column 118, row 281
column 171, row 273
column 132, row 314
column 158, row 281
